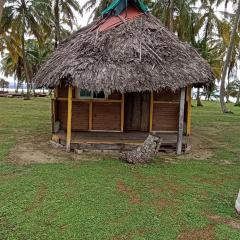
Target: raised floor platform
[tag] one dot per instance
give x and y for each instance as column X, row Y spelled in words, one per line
column 117, row 141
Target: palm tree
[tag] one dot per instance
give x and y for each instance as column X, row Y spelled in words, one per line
column 63, row 11
column 1, row 7
column 96, row 7
column 22, row 18
column 227, row 61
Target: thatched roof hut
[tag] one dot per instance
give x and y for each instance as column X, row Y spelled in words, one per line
column 127, row 50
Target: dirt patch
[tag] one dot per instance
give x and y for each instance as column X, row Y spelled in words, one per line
column 218, row 219
column 30, row 153
column 200, row 234
column 123, row 188
column 175, row 188
column 200, row 149
column 214, row 181
column 43, row 152
column 160, row 204
column 156, row 190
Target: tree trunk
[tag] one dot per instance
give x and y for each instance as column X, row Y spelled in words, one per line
column 227, row 61
column 24, row 58
column 238, row 98
column 199, row 103
column 171, row 12
column 17, row 87
column 1, row 8
column 57, row 23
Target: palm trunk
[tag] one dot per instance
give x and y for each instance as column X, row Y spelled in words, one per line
column 228, row 89
column 199, row 103
column 17, row 87
column 227, row 61
column 171, row 12
column 1, row 7
column 238, row 98
column 57, row 23
column 24, row 58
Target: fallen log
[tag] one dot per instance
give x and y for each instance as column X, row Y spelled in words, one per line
column 144, row 153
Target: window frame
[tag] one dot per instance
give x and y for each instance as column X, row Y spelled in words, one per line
column 78, row 95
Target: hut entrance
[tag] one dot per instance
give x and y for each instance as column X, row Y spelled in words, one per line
column 137, row 111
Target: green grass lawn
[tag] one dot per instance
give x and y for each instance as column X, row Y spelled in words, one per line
column 187, row 197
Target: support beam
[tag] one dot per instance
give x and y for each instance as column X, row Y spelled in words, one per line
column 53, row 107
column 56, row 92
column 122, row 112
column 151, row 113
column 189, row 110
column 69, row 120
column 90, row 117
column 181, row 122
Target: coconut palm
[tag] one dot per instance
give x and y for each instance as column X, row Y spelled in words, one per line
column 95, row 7
column 63, row 12
column 177, row 15
column 22, row 18
column 1, row 7
column 228, row 60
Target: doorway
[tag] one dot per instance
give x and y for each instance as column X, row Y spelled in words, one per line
column 137, row 109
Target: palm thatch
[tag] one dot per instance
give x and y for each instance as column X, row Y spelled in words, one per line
column 138, row 55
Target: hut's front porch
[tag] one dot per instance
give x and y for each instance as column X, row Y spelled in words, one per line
column 117, row 141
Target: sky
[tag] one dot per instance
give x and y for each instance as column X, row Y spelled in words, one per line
column 82, row 21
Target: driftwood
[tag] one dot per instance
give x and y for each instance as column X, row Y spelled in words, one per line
column 237, row 205
column 143, row 154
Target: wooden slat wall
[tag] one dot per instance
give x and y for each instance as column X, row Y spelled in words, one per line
column 80, row 116
column 107, row 116
column 62, row 114
column 165, row 111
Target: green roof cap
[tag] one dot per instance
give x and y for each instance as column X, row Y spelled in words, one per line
column 118, row 6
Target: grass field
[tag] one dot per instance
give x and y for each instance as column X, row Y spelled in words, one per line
column 187, row 197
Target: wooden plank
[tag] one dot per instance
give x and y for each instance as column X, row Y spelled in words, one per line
column 122, row 112
column 159, row 102
column 53, row 114
column 56, row 92
column 93, row 100
column 165, row 117
column 181, row 122
column 69, row 120
column 189, row 109
column 151, row 113
column 106, row 116
column 90, row 118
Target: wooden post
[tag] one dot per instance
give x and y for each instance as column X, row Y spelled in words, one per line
column 189, row 110
column 56, row 92
column 181, row 122
column 53, row 114
column 122, row 112
column 90, row 117
column 151, row 113
column 69, row 119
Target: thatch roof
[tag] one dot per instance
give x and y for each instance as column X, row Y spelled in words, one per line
column 137, row 55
